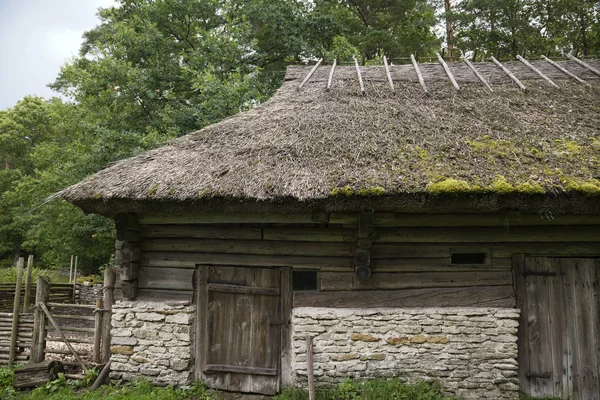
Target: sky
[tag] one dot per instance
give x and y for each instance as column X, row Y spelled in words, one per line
column 36, row 38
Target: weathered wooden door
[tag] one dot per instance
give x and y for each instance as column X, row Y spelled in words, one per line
column 559, row 333
column 240, row 327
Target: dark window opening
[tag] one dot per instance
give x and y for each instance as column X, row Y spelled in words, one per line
column 304, row 280
column 469, row 258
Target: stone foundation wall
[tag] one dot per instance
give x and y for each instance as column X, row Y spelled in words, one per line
column 153, row 340
column 89, row 293
column 471, row 352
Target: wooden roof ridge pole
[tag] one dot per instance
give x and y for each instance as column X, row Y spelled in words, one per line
column 387, row 72
column 477, row 74
column 583, row 64
column 565, row 71
column 330, row 80
column 448, row 72
column 537, row 71
column 510, row 74
column 360, row 79
column 418, row 71
column 312, row 71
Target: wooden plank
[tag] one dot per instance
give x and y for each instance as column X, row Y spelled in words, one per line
column 571, row 362
column 409, row 280
column 310, row 234
column 437, row 264
column 520, row 289
column 507, row 220
column 590, row 249
column 200, row 232
column 224, row 288
column 166, row 278
column 286, row 306
column 557, row 318
column 231, row 218
column 483, row 296
column 165, row 295
column 240, row 369
column 202, row 321
column 190, row 260
column 250, row 247
column 393, row 250
column 490, row 234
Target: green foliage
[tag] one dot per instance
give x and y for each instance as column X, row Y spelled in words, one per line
column 391, row 389
column 7, row 392
column 449, row 186
column 9, row 274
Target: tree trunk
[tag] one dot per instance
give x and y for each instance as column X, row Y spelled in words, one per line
column 449, row 31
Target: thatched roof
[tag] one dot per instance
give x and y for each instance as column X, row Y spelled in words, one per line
column 340, row 149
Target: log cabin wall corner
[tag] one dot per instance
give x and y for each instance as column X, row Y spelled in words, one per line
column 440, row 287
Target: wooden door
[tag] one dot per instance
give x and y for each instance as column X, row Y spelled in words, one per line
column 559, row 333
column 240, row 323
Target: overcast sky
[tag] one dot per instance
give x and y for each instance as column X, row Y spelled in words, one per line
column 36, row 38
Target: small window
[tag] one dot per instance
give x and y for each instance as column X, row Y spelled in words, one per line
column 304, row 280
column 469, row 258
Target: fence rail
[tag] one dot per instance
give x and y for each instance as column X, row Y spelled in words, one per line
column 59, row 293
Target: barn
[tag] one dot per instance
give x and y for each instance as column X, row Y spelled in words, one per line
column 424, row 221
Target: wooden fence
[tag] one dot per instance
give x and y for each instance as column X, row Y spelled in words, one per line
column 59, row 293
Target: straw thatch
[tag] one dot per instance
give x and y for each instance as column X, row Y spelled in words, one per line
column 391, row 149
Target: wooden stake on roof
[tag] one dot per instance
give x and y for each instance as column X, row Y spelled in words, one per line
column 583, row 64
column 510, row 74
column 360, row 80
column 448, row 72
column 312, row 71
column 477, row 74
column 537, row 71
column 418, row 71
column 387, row 72
column 565, row 71
column 330, row 80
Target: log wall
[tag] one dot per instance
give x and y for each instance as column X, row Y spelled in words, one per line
column 409, row 255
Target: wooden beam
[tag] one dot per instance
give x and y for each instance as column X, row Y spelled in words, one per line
column 388, row 74
column 565, row 71
column 38, row 345
column 477, row 74
column 509, row 74
column 26, row 299
column 584, row 64
column 538, row 72
column 480, row 296
column 232, row 218
column 312, row 71
column 16, row 308
column 309, row 368
column 98, row 334
column 359, row 75
column 418, row 72
column 448, row 72
column 331, row 72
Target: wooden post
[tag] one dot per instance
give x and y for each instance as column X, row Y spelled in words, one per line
column 16, row 307
column 418, row 72
column 509, row 74
column 477, row 74
column 330, row 80
column 359, row 75
column 102, row 376
column 97, row 331
column 565, row 71
column 388, row 74
column 537, row 71
column 108, row 300
column 583, row 64
column 27, row 300
column 448, row 72
column 312, row 71
column 71, row 270
column 38, row 345
column 75, row 279
column 309, row 367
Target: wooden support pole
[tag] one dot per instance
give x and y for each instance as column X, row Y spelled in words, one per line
column 477, row 74
column 16, row 307
column 101, row 379
column 27, row 298
column 388, row 74
column 312, row 71
column 448, row 72
column 108, row 300
column 38, row 345
column 330, row 80
column 538, row 72
column 565, row 71
column 71, row 270
column 509, row 74
column 359, row 75
column 418, row 71
column 97, row 331
column 584, row 65
column 309, row 368
column 62, row 336
column 75, row 279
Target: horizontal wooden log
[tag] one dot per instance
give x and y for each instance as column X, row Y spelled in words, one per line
column 250, row 247
column 226, row 288
column 165, row 295
column 239, row 369
column 233, row 218
column 394, row 250
column 166, row 278
column 488, row 234
column 409, row 280
column 480, row 296
column 33, row 375
column 190, row 260
column 310, row 234
column 437, row 264
column 203, row 232
column 547, row 249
